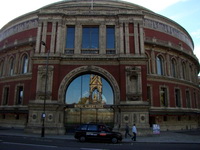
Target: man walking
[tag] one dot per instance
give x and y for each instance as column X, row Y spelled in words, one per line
column 127, row 131
column 134, row 130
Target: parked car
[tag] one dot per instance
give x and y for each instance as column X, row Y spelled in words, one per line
column 96, row 132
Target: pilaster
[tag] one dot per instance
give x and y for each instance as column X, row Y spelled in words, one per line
column 136, row 38
column 78, row 39
column 102, row 40
column 39, row 32
column 127, row 39
column 44, row 34
column 121, row 38
column 53, row 38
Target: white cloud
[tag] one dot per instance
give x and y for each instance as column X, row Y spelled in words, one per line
column 197, row 51
column 11, row 9
column 196, row 34
column 155, row 5
column 181, row 15
column 15, row 8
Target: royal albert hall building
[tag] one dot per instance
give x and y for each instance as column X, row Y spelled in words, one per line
column 103, row 61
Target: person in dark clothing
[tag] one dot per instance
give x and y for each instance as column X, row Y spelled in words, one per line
column 127, row 131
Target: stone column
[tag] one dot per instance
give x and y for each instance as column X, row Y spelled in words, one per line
column 141, row 38
column 117, row 38
column 127, row 39
column 39, row 32
column 78, row 39
column 121, row 38
column 53, row 38
column 136, row 38
column 59, row 38
column 44, row 34
column 102, row 39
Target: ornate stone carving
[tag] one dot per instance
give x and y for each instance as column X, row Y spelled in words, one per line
column 133, row 83
column 40, row 94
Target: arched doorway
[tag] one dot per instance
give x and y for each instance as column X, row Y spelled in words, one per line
column 76, row 111
column 88, row 98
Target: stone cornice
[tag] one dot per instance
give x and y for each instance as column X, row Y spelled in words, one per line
column 94, row 59
column 18, row 77
column 173, row 110
column 165, row 79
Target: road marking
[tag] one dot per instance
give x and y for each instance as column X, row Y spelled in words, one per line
column 92, row 149
column 29, row 144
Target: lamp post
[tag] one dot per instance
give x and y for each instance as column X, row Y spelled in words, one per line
column 45, row 92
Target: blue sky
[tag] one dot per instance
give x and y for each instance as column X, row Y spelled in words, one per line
column 184, row 12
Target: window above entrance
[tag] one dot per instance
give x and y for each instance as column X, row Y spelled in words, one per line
column 90, row 40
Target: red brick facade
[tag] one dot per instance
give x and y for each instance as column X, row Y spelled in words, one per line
column 140, row 40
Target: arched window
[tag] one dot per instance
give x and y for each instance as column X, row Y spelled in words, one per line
column 1, row 68
column 148, row 64
column 184, row 70
column 160, row 65
column 173, row 68
column 24, row 64
column 89, row 89
column 191, row 74
column 11, row 71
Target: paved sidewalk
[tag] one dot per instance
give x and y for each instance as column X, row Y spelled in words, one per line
column 189, row 136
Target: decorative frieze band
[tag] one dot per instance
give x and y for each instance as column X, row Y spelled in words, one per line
column 152, row 24
column 30, row 24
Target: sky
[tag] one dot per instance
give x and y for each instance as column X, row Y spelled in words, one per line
column 184, row 12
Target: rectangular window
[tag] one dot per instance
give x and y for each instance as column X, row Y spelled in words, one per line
column 20, row 93
column 110, row 40
column 177, row 98
column 90, row 40
column 70, row 39
column 5, row 96
column 163, row 97
column 149, row 94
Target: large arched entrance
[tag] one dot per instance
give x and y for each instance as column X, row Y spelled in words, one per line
column 89, row 96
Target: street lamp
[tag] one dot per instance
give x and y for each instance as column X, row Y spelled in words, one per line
column 45, row 94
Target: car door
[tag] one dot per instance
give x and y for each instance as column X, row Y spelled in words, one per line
column 92, row 131
column 103, row 133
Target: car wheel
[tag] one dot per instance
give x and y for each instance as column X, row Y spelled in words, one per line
column 82, row 139
column 114, row 140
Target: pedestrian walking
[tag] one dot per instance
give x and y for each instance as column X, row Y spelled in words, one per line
column 134, row 130
column 127, row 131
